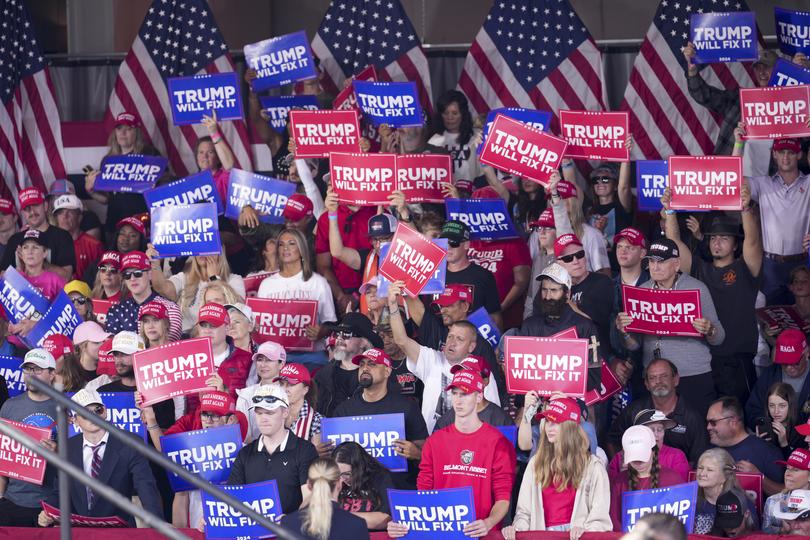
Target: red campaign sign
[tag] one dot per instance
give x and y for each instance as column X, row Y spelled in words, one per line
column 567, row 333
column 595, row 134
column 318, row 133
column 284, row 321
column 174, row 369
column 705, row 182
column 782, row 317
column 84, row 521
column 610, row 385
column 546, row 365
column 363, row 179
column 100, row 309
column 346, row 99
column 18, row 462
column 775, row 112
column 253, row 282
column 514, row 147
column 419, row 176
column 412, row 258
column 662, row 312
column 751, row 483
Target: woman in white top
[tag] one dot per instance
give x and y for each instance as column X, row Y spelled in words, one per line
column 187, row 287
column 296, row 281
column 453, row 130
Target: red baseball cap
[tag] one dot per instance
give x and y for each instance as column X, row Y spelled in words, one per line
column 7, row 207
column 804, row 429
column 30, row 196
column 563, row 242
column 153, row 309
column 632, row 235
column 546, row 219
column 378, row 356
column 799, row 458
column 486, row 192
column 294, row 374
column 113, row 258
column 565, row 189
column 215, row 314
column 469, row 381
column 137, row 260
column 126, row 119
column 463, row 184
column 133, row 222
column 787, row 144
column 561, row 410
column 57, row 345
column 220, row 403
column 453, row 293
column 298, row 207
column 473, row 363
column 790, row 346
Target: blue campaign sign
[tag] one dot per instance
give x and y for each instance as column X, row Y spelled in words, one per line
column 792, row 31
column 183, row 231
column 435, row 285
column 200, row 95
column 428, row 513
column 131, row 173
column 510, row 432
column 11, row 371
column 375, row 433
column 724, row 37
column 392, row 103
column 531, row 117
column 787, row 73
column 208, row 453
column 122, row 412
column 486, row 326
column 488, row 219
column 61, row 318
column 222, row 521
column 192, row 189
column 678, row 501
column 278, row 108
column 652, row 178
column 20, row 299
column 280, row 60
column 266, row 195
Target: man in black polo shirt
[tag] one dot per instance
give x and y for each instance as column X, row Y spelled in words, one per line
column 278, row 454
column 689, row 434
column 373, row 375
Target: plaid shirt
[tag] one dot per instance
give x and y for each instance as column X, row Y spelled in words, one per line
column 724, row 102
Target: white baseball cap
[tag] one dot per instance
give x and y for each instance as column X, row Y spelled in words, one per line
column 67, row 202
column 244, row 309
column 127, row 342
column 637, row 444
column 557, row 273
column 85, row 397
column 40, row 358
column 270, row 397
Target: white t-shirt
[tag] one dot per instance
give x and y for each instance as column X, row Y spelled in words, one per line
column 464, row 158
column 316, row 287
column 190, row 313
column 433, row 369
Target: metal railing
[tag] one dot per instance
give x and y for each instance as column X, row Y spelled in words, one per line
column 68, row 470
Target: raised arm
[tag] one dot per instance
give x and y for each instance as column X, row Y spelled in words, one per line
column 401, row 338
column 348, row 256
column 220, row 144
column 673, row 232
column 494, row 183
column 752, row 243
column 623, row 189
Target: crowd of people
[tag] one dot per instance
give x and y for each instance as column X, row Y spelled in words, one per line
column 734, row 400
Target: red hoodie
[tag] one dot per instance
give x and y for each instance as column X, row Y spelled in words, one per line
column 484, row 459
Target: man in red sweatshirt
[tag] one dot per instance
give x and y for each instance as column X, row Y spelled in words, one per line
column 468, row 453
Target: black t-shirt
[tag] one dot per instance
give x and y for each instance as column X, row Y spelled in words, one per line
column 87, row 374
column 346, row 384
column 618, row 217
column 594, row 296
column 409, row 385
column 734, row 292
column 59, row 242
column 374, row 499
column 164, row 410
column 485, row 290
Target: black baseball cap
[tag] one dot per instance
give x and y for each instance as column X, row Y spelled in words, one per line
column 33, row 235
column 729, row 511
column 663, row 249
column 382, row 225
column 456, row 231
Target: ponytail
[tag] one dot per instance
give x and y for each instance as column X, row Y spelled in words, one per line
column 323, row 476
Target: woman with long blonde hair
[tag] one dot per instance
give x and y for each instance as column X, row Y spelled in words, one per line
column 323, row 518
column 565, row 487
column 717, row 474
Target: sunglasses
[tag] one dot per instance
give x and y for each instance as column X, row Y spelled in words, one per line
column 601, row 180
column 343, row 335
column 570, row 258
column 453, row 243
column 134, row 274
column 108, row 269
column 268, row 399
column 81, row 300
column 97, row 409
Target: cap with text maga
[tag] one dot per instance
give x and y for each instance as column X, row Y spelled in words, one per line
column 135, row 260
column 455, row 231
column 467, row 381
column 545, row 220
column 454, row 292
column 663, row 249
column 790, row 346
column 557, row 273
column 729, row 511
column 473, row 363
column 633, row 236
column 7, row 207
column 294, row 374
column 561, row 410
column 564, row 241
column 111, row 258
column 220, row 403
column 797, row 506
column 798, row 459
column 377, row 356
column 214, row 314
column 29, row 196
column 298, row 207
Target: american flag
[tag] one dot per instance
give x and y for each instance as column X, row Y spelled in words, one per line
column 358, row 33
column 178, row 38
column 535, row 54
column 664, row 119
column 31, row 152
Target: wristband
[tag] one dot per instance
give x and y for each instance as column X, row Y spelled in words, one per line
column 739, row 144
column 152, row 428
column 332, row 216
column 669, row 212
column 568, row 165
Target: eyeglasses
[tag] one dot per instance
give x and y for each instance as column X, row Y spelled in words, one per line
column 268, row 399
column 134, row 274
column 570, row 258
column 713, row 422
column 108, row 270
column 81, row 300
column 36, row 370
column 601, row 180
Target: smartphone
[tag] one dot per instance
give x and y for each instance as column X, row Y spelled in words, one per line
column 763, row 425
column 87, row 169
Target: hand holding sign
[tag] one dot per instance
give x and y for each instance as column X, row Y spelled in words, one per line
column 412, row 258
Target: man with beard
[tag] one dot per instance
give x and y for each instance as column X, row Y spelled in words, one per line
column 661, row 380
column 337, row 380
column 373, row 375
column 733, row 282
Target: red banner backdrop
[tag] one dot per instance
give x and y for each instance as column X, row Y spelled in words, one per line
column 662, row 312
column 705, row 182
column 412, row 258
column 546, row 365
column 363, row 179
column 284, row 321
column 775, row 112
column 595, row 134
column 318, row 133
column 174, row 369
column 419, row 176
